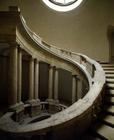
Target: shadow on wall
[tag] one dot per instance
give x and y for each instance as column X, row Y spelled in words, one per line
column 110, row 35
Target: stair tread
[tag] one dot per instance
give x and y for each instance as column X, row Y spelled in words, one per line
column 110, row 99
column 110, row 85
column 109, row 71
column 104, row 130
column 111, row 92
column 109, row 109
column 108, row 68
column 89, row 136
column 109, row 75
column 109, row 80
column 108, row 119
column 107, row 65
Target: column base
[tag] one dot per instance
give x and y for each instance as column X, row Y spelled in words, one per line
column 15, row 107
column 19, row 111
column 34, row 108
column 53, row 106
column 50, row 100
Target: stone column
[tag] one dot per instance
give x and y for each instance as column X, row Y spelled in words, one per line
column 33, row 88
column 36, row 80
column 19, row 75
column 56, row 85
column 74, row 89
column 50, row 88
column 31, row 79
column 13, row 75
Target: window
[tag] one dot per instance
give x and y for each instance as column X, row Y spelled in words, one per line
column 62, row 5
column 63, row 2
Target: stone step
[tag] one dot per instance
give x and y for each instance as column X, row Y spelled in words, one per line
column 107, row 65
column 109, row 75
column 104, row 131
column 108, row 68
column 89, row 136
column 110, row 80
column 110, row 85
column 109, row 72
column 109, row 109
column 110, row 92
column 107, row 119
column 109, row 100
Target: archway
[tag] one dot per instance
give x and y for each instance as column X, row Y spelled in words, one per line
column 111, row 43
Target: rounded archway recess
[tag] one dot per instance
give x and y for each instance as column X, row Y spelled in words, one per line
column 62, row 6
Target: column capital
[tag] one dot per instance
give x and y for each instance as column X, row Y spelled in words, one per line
column 78, row 78
column 51, row 66
column 36, row 60
column 19, row 48
column 31, row 58
column 74, row 75
column 56, row 68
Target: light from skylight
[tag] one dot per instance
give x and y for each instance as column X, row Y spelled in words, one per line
column 61, row 8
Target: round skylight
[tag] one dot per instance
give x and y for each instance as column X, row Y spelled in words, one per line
column 62, row 5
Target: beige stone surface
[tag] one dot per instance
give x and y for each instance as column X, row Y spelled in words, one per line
column 105, row 131
column 111, row 92
column 109, row 108
column 109, row 71
column 109, row 119
column 110, row 75
column 110, row 80
column 110, row 85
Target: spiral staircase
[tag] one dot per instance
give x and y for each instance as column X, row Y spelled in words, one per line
column 88, row 109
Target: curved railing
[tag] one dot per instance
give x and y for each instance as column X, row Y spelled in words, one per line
column 82, row 111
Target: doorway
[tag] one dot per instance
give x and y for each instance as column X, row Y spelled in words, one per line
column 111, row 43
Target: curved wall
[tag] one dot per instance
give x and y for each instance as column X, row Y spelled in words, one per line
column 82, row 30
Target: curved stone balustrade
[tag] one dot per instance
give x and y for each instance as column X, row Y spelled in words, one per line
column 77, row 117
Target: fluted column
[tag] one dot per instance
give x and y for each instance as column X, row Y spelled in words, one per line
column 56, row 85
column 19, row 75
column 13, row 75
column 50, row 88
column 74, row 89
column 31, row 79
column 36, row 80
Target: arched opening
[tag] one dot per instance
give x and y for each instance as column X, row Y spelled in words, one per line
column 111, row 43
